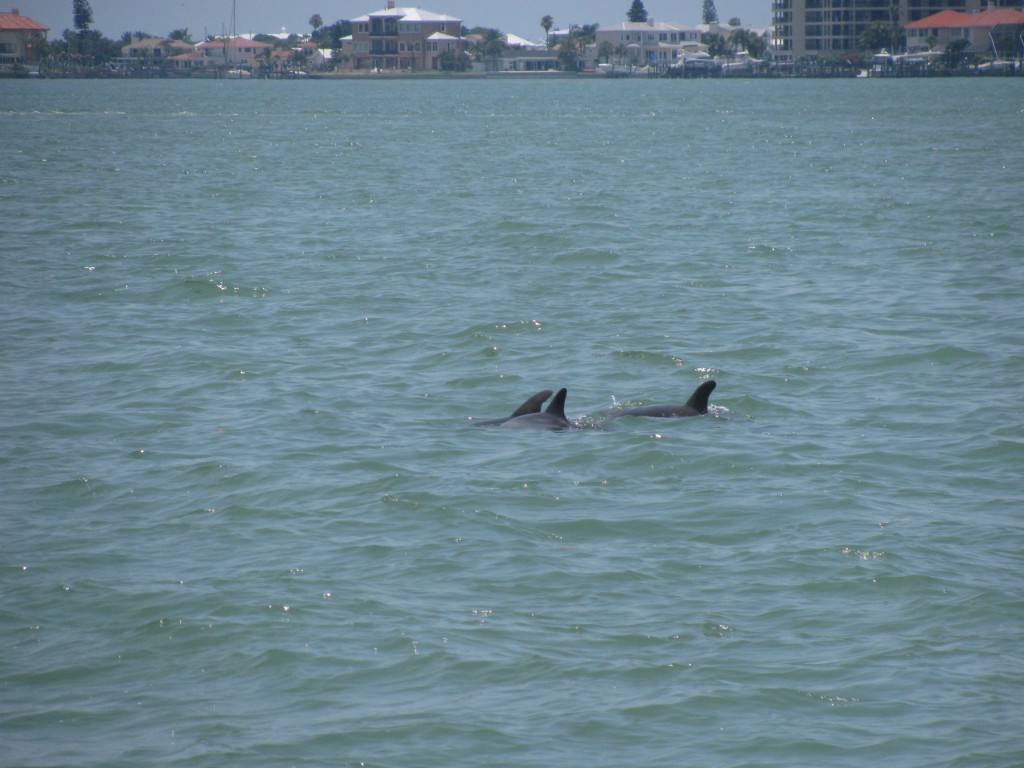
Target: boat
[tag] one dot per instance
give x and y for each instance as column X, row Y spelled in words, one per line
column 695, row 62
column 740, row 61
column 995, row 66
column 623, row 70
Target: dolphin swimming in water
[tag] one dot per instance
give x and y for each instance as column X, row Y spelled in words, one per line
column 695, row 406
column 532, row 405
column 552, row 418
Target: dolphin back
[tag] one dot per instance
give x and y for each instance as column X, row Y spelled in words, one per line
column 699, row 399
column 557, row 406
column 532, row 405
column 552, row 418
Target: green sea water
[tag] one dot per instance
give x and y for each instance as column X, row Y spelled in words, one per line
column 245, row 519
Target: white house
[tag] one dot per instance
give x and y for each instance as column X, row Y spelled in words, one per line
column 646, row 43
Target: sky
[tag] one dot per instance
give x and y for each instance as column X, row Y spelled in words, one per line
column 213, row 17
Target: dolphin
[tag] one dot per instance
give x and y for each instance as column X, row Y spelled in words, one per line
column 695, row 406
column 532, row 405
column 552, row 418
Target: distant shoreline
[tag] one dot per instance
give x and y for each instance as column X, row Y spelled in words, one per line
column 769, row 74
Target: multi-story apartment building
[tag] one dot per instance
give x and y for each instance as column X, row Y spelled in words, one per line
column 402, row 39
column 833, row 27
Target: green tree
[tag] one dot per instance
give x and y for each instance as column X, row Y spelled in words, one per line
column 875, row 36
column 895, row 30
column 127, row 37
column 717, row 45
column 955, row 51
column 493, row 45
column 330, row 36
column 180, row 34
column 87, row 48
column 745, row 40
column 710, row 13
column 757, row 46
column 570, row 50
column 605, row 50
column 547, row 23
column 637, row 13
column 588, row 33
column 450, row 61
column 83, row 15
column 316, row 21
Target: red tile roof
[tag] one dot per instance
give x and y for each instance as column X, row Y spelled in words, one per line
column 17, row 21
column 958, row 19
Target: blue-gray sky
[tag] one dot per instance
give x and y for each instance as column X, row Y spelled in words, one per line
column 521, row 17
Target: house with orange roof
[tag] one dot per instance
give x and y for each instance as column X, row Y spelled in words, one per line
column 192, row 61
column 980, row 29
column 153, row 51
column 234, row 52
column 21, row 39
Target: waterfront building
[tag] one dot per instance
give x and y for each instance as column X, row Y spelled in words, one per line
column 648, row 43
column 20, row 39
column 517, row 55
column 307, row 55
column 233, row 52
column 402, row 39
column 193, row 61
column 153, row 51
column 833, row 27
column 983, row 31
column 655, row 44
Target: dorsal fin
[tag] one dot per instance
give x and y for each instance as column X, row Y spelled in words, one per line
column 557, row 405
column 533, row 404
column 699, row 399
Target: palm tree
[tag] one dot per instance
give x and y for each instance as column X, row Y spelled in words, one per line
column 570, row 50
column 493, row 46
column 316, row 21
column 605, row 50
column 547, row 23
column 737, row 41
column 717, row 45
